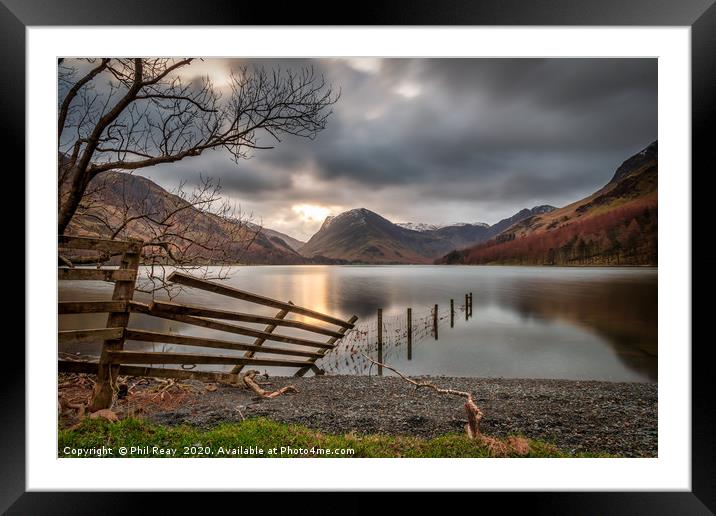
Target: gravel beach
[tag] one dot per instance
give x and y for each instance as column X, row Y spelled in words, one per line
column 577, row 416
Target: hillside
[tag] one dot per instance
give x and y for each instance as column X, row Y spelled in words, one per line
column 617, row 225
column 282, row 238
column 114, row 198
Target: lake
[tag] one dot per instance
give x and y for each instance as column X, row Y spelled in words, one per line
column 581, row 323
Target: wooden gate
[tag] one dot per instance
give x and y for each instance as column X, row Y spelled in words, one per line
column 115, row 360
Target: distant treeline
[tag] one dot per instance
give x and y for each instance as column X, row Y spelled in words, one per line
column 622, row 236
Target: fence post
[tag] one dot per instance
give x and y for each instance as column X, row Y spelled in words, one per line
column 467, row 306
column 410, row 333
column 435, row 322
column 103, row 394
column 380, row 341
column 470, row 304
column 452, row 313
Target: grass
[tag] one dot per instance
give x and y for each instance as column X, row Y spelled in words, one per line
column 245, row 439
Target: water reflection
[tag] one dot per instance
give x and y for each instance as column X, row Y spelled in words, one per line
column 578, row 323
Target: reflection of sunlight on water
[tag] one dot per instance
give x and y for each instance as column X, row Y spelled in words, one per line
column 311, row 291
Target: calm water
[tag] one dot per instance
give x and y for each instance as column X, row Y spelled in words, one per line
column 527, row 322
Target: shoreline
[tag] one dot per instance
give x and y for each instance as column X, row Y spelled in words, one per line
column 388, row 264
column 576, row 416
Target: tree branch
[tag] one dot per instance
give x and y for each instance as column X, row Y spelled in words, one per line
column 72, row 93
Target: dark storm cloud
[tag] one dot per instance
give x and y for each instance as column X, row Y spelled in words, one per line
column 235, row 180
column 482, row 137
column 472, row 112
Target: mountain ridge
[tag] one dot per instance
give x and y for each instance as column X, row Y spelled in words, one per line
column 424, row 226
column 116, row 196
column 616, row 225
column 363, row 236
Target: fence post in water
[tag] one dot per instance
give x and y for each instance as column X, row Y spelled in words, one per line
column 470, row 304
column 467, row 306
column 410, row 333
column 452, row 313
column 380, row 341
column 435, row 322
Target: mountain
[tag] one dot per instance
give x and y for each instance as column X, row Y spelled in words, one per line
column 499, row 227
column 280, row 239
column 459, row 234
column 364, row 236
column 418, row 226
column 463, row 235
column 616, row 225
column 116, row 197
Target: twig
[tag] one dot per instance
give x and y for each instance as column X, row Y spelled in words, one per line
column 497, row 447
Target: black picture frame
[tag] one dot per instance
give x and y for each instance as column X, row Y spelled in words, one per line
column 700, row 15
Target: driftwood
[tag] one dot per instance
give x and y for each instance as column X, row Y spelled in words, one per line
column 248, row 378
column 497, row 447
column 84, row 411
column 474, row 414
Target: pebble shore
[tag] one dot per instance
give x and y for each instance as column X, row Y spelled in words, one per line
column 576, row 416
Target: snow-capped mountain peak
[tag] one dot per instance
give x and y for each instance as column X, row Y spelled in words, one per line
column 421, row 226
column 418, row 226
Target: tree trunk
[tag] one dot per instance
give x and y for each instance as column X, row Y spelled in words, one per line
column 70, row 195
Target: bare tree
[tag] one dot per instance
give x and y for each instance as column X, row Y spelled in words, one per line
column 119, row 115
column 187, row 229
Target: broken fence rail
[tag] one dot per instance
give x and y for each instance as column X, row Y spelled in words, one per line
column 114, row 360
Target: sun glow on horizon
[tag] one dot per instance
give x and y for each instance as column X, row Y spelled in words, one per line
column 311, row 212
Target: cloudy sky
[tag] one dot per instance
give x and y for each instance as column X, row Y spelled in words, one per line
column 440, row 140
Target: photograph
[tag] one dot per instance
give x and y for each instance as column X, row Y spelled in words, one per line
column 357, row 257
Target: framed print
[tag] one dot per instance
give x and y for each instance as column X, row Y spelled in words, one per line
column 432, row 247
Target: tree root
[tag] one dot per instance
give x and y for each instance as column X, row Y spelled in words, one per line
column 497, row 447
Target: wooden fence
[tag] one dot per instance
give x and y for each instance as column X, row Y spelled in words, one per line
column 394, row 336
column 115, row 360
column 434, row 315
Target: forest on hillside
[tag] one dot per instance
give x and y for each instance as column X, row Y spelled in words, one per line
column 623, row 236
